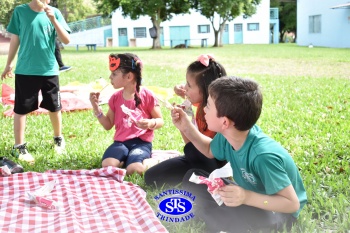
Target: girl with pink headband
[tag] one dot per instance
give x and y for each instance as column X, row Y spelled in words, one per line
column 199, row 75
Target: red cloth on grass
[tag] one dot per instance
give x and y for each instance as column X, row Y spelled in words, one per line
column 69, row 99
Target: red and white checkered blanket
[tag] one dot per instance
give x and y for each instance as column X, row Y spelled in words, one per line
column 92, row 201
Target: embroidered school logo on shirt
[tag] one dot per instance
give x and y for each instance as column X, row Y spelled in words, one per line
column 248, row 177
column 175, row 205
column 47, row 29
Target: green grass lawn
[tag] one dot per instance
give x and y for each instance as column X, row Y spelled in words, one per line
column 306, row 108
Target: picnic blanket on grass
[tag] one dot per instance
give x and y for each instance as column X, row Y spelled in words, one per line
column 92, row 201
column 75, row 96
column 71, row 100
column 159, row 156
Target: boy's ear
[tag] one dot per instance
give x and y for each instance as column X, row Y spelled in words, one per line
column 226, row 123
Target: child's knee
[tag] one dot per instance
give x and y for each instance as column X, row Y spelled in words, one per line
column 135, row 167
column 111, row 162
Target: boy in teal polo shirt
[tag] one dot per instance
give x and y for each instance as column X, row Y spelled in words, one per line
column 269, row 193
column 34, row 28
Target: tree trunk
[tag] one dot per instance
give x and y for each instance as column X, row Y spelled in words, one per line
column 216, row 35
column 156, row 41
column 65, row 13
column 218, row 41
column 221, row 31
column 281, row 36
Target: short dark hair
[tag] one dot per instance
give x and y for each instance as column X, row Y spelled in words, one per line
column 238, row 99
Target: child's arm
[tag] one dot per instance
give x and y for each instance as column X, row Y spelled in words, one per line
column 106, row 121
column 155, row 122
column 62, row 34
column 14, row 44
column 183, row 123
column 185, row 139
column 285, row 201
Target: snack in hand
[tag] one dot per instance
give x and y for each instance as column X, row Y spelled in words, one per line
column 213, row 185
column 41, row 3
column 187, row 107
column 165, row 103
column 218, row 178
column 133, row 115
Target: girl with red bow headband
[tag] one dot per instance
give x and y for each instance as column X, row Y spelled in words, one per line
column 199, row 75
column 133, row 111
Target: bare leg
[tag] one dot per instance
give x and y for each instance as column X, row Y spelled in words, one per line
column 19, row 125
column 110, row 162
column 56, row 121
column 135, row 167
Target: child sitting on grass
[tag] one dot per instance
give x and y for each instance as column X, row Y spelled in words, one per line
column 269, row 193
column 133, row 111
column 199, row 75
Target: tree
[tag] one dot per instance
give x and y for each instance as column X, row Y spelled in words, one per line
column 71, row 10
column 6, row 10
column 287, row 16
column 220, row 11
column 158, row 11
column 74, row 10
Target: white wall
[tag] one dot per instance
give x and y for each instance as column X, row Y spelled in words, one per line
column 335, row 23
column 262, row 17
column 118, row 21
column 193, row 20
column 92, row 36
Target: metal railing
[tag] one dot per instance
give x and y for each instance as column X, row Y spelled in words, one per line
column 90, row 23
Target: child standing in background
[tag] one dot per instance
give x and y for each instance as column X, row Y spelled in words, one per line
column 34, row 28
column 133, row 111
column 61, row 65
column 199, row 75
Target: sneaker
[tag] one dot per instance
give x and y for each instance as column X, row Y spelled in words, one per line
column 21, row 153
column 65, row 68
column 59, row 144
column 14, row 167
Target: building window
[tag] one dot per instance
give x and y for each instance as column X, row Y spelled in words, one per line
column 237, row 27
column 226, row 28
column 315, row 24
column 203, row 28
column 123, row 32
column 253, row 27
column 273, row 13
column 140, row 33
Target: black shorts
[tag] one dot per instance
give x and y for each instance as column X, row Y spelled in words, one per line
column 27, row 89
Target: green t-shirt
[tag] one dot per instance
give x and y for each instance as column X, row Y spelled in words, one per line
column 36, row 55
column 262, row 165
